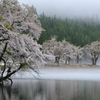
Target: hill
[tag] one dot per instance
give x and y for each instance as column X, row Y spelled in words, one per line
column 78, row 32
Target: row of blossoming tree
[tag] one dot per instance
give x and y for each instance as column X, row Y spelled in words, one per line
column 64, row 51
column 18, row 51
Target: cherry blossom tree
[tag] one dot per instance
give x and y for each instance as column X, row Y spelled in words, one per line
column 20, row 49
column 53, row 50
column 48, row 49
column 49, row 45
column 58, row 52
column 78, row 53
column 68, row 51
column 93, row 50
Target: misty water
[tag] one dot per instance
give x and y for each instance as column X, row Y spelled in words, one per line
column 54, row 83
column 28, row 89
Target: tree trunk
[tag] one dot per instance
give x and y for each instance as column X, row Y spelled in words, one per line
column 57, row 59
column 9, row 75
column 67, row 61
column 77, row 59
column 94, row 60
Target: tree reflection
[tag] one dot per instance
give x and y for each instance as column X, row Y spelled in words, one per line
column 51, row 90
column 5, row 92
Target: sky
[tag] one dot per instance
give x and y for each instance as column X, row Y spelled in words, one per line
column 66, row 8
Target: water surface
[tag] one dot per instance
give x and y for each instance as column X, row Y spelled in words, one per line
column 31, row 89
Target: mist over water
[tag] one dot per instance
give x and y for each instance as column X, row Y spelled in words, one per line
column 63, row 73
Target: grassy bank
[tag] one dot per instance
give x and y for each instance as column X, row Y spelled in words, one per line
column 71, row 65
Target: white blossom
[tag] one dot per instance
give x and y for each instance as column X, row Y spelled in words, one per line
column 15, row 46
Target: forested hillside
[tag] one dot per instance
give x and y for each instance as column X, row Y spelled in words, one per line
column 77, row 32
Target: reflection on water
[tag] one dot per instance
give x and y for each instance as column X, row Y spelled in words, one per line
column 51, row 90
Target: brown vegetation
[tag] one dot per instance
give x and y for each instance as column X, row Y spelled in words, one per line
column 71, row 65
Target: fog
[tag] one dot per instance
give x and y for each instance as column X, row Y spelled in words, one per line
column 63, row 73
column 66, row 8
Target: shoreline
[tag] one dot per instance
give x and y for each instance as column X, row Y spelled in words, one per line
column 73, row 65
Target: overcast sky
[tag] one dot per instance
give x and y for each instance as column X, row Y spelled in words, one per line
column 66, row 8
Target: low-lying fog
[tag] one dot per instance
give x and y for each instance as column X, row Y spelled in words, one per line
column 63, row 73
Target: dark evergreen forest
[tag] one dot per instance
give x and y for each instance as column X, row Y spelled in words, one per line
column 77, row 32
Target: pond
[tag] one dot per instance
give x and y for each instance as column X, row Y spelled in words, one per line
column 31, row 89
column 54, row 83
